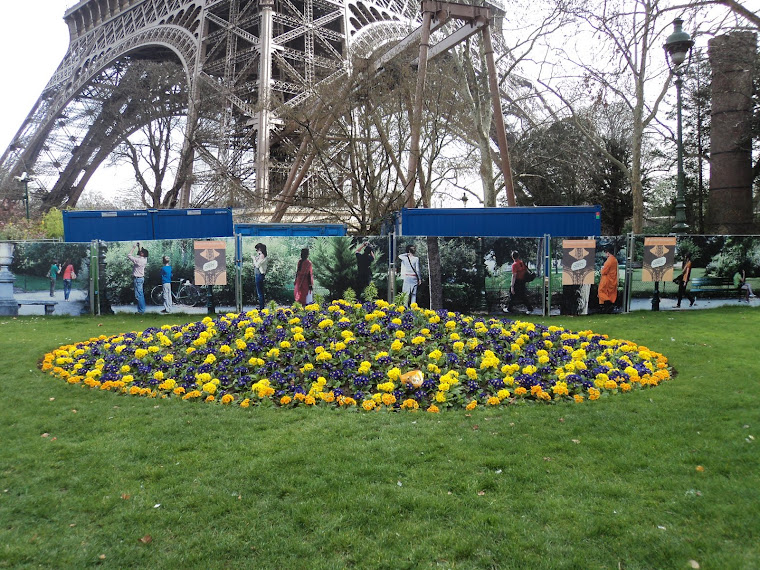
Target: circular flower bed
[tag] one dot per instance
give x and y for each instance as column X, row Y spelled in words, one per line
column 369, row 356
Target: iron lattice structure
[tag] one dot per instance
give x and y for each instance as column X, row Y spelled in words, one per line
column 259, row 58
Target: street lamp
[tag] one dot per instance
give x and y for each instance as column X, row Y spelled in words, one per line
column 24, row 178
column 677, row 47
column 464, row 199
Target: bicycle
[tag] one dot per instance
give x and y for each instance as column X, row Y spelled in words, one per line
column 186, row 294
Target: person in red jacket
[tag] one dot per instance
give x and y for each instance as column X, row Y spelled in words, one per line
column 304, row 282
column 517, row 291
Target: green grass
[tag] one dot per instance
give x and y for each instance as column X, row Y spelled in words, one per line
column 610, row 484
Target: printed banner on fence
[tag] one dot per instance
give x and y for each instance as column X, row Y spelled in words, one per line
column 659, row 254
column 210, row 262
column 578, row 261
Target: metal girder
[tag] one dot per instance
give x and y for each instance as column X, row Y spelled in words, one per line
column 219, row 44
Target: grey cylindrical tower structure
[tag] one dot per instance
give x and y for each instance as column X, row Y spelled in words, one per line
column 730, row 201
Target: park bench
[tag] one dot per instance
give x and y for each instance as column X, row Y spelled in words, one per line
column 49, row 305
column 712, row 285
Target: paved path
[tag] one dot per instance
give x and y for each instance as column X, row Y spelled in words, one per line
column 76, row 305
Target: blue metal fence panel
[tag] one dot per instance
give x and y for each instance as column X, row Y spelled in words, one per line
column 119, row 225
column 290, row 229
column 193, row 223
column 129, row 225
column 536, row 221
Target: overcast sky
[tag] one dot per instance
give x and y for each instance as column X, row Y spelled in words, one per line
column 32, row 44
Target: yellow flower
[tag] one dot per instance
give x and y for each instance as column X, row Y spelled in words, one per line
column 209, row 387
column 389, row 399
column 394, row 373
column 324, row 356
column 493, row 401
column 472, row 405
column 410, row 404
column 227, row 399
column 369, row 405
column 433, row 409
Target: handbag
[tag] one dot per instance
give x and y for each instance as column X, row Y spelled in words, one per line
column 529, row 276
column 678, row 279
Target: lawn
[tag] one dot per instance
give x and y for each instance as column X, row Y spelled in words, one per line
column 658, row 478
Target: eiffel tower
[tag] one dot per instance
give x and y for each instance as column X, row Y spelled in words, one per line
column 260, row 57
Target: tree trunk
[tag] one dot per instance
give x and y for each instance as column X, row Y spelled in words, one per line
column 434, row 272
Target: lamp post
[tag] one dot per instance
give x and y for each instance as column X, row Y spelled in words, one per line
column 677, row 47
column 464, row 199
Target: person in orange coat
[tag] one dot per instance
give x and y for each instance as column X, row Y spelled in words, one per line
column 608, row 283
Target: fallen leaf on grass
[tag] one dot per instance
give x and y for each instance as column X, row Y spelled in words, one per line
column 476, row 427
column 481, row 493
column 699, row 469
column 693, row 563
column 147, row 539
column 547, row 458
column 125, row 496
column 46, row 434
column 575, row 440
column 102, row 556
